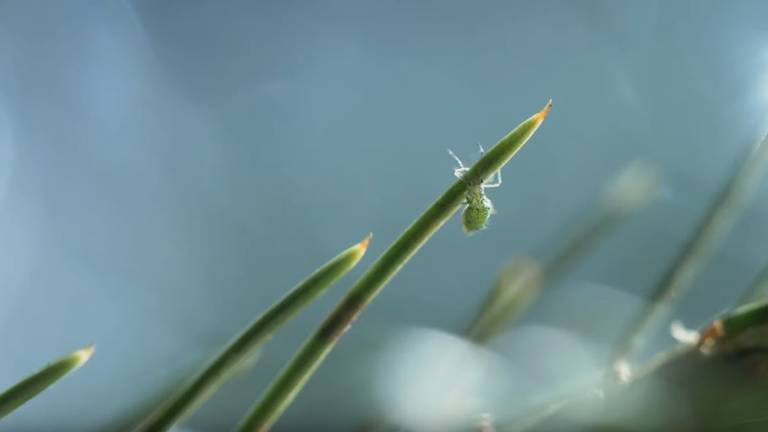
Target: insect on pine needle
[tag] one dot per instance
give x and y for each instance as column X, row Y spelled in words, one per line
column 478, row 208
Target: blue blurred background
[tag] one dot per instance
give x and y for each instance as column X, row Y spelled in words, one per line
column 169, row 169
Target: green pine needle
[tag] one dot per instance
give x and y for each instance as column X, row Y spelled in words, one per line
column 34, row 384
column 211, row 377
column 295, row 375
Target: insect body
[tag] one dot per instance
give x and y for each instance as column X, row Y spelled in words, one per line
column 478, row 207
column 477, row 212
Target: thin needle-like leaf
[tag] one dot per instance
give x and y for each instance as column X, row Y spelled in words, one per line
column 292, row 379
column 752, row 316
column 728, row 359
column 521, row 281
column 31, row 386
column 518, row 283
column 212, row 376
column 714, row 227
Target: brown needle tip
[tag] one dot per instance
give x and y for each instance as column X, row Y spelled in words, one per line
column 541, row 115
column 363, row 245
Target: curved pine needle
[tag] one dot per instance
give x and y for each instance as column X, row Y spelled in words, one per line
column 295, row 375
column 726, row 341
column 212, row 376
column 701, row 246
column 34, row 384
column 518, row 283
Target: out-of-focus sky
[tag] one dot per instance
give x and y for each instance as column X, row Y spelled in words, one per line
column 169, row 169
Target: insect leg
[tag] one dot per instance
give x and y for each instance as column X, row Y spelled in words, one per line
column 496, row 183
column 456, row 158
column 458, row 172
column 496, row 176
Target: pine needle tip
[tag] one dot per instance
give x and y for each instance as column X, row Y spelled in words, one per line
column 85, row 354
column 363, row 245
column 541, row 115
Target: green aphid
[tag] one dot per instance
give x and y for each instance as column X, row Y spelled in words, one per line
column 478, row 207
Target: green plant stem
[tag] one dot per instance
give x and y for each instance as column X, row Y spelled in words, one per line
column 31, row 386
column 212, row 376
column 737, row 340
column 697, row 252
column 291, row 380
column 743, row 318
